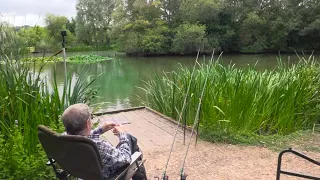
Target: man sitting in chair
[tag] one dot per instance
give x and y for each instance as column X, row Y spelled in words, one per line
column 77, row 121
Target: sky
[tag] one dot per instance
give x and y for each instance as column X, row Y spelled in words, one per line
column 32, row 12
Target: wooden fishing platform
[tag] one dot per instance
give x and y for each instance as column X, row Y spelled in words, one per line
column 151, row 128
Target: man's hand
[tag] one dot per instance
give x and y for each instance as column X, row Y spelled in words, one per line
column 118, row 129
column 108, row 126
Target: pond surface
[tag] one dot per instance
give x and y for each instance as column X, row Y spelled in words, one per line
column 119, row 79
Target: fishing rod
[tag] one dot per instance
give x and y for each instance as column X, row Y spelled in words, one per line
column 164, row 176
column 210, row 63
column 183, row 176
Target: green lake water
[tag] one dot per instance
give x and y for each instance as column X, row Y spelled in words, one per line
column 120, row 78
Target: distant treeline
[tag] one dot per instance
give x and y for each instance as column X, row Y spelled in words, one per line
column 155, row 27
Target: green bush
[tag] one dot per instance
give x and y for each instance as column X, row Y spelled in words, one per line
column 189, row 38
column 157, row 41
column 17, row 164
column 143, row 37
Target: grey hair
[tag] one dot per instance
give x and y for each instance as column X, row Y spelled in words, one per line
column 75, row 118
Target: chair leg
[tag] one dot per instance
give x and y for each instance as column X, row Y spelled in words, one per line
column 141, row 173
column 61, row 175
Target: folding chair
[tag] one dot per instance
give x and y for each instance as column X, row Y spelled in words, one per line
column 79, row 157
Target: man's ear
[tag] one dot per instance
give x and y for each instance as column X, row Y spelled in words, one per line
column 88, row 124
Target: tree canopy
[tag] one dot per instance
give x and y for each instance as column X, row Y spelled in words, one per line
column 249, row 26
column 155, row 27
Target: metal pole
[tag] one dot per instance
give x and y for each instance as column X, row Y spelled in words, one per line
column 64, row 34
column 65, row 75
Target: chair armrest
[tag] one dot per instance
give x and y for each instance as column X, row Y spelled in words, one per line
column 135, row 156
column 127, row 173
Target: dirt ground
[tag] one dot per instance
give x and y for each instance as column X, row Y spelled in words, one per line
column 223, row 161
column 213, row 160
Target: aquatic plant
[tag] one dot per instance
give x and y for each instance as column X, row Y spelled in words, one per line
column 87, row 58
column 278, row 101
column 72, row 59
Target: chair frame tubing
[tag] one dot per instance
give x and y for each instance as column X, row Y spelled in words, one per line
column 279, row 171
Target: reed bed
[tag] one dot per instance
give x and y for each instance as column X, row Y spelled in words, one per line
column 27, row 100
column 246, row 100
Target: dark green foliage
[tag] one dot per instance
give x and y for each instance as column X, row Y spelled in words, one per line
column 20, row 164
column 231, row 26
column 141, row 27
column 189, row 38
column 143, row 37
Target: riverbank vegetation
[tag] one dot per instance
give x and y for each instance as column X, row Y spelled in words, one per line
column 158, row 27
column 242, row 102
column 28, row 99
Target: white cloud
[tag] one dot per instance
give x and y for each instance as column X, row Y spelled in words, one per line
column 32, row 12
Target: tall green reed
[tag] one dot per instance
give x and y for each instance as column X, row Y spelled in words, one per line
column 278, row 101
column 27, row 100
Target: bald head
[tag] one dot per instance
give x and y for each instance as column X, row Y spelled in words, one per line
column 75, row 119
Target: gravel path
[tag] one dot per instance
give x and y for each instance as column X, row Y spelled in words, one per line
column 222, row 161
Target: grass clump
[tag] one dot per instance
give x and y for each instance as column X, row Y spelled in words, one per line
column 242, row 101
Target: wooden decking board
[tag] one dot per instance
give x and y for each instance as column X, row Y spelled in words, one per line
column 151, row 129
column 136, row 130
column 165, row 130
column 161, row 119
column 156, row 129
column 167, row 126
column 147, row 133
column 157, row 117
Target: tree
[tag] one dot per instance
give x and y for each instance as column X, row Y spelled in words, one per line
column 252, row 34
column 189, row 38
column 33, row 35
column 171, row 10
column 11, row 43
column 249, row 26
column 93, row 21
column 71, row 26
column 56, row 24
